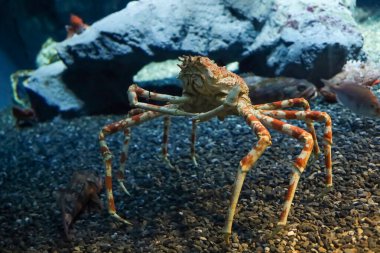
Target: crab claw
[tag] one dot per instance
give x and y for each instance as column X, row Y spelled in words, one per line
column 194, row 159
column 232, row 96
column 116, row 216
column 167, row 161
column 201, row 117
column 123, row 187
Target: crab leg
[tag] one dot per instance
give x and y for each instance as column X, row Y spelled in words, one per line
column 124, row 153
column 123, row 124
column 294, row 102
column 123, row 158
column 192, row 139
column 135, row 91
column 327, row 136
column 284, row 104
column 246, row 164
column 165, row 138
column 300, row 162
column 230, row 102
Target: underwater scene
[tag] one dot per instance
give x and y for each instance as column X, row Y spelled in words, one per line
column 190, row 126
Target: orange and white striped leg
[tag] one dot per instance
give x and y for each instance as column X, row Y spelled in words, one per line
column 134, row 91
column 294, row 102
column 107, row 155
column 124, row 151
column 192, row 139
column 327, row 136
column 165, row 138
column 300, row 162
column 245, row 165
column 123, row 160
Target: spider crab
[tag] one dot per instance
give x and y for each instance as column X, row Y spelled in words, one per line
column 212, row 91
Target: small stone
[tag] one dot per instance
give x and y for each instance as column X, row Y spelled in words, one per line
column 235, row 245
column 291, row 233
column 306, row 228
column 259, row 250
column 360, row 231
column 244, row 246
column 350, row 250
column 372, row 243
column 305, row 244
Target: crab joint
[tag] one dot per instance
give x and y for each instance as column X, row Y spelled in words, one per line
column 231, row 99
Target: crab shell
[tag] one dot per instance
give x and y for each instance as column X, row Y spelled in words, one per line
column 208, row 83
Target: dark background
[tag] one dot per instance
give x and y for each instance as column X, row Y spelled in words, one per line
column 26, row 24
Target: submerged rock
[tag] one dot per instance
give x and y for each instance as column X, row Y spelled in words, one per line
column 150, row 30
column 25, row 25
column 49, row 95
column 81, row 194
column 266, row 90
column 304, row 39
column 301, row 39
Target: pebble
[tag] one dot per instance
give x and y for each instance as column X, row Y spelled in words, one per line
column 259, row 249
column 235, row 245
column 372, row 243
column 350, row 250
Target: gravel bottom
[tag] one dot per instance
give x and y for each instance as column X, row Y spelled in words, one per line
column 184, row 210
